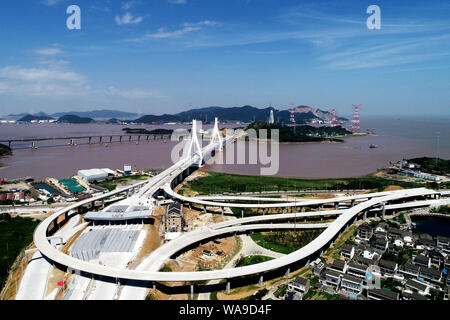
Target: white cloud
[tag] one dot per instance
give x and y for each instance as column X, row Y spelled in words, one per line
column 128, row 18
column 41, row 82
column 51, row 51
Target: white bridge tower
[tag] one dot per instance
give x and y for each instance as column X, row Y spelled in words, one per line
column 217, row 136
column 194, row 143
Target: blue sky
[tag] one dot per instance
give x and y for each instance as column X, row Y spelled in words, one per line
column 163, row 56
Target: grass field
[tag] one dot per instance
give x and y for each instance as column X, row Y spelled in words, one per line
column 285, row 241
column 216, row 183
column 249, row 260
column 15, row 235
column 111, row 185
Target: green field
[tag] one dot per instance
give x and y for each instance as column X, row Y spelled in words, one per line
column 111, row 185
column 15, row 235
column 249, row 260
column 285, row 241
column 217, row 183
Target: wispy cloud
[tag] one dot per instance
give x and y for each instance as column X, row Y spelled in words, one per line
column 177, row 1
column 50, row 51
column 135, row 93
column 128, row 18
column 41, row 81
column 51, row 2
column 129, row 4
column 187, row 27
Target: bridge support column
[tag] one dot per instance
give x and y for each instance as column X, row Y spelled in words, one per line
column 128, row 193
column 223, row 211
column 383, row 212
column 154, row 286
column 101, row 140
column 288, row 273
column 129, row 138
column 204, row 209
column 320, row 208
column 9, row 144
column 303, row 209
column 353, row 203
column 365, row 215
column 90, row 141
column 33, row 145
column 103, row 202
column 228, row 287
column 192, row 291
column 120, row 139
column 147, row 138
column 336, row 205
column 261, row 281
column 139, row 139
column 110, row 139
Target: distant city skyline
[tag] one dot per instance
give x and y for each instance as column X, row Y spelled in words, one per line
column 167, row 56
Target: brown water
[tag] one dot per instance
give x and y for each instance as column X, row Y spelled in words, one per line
column 397, row 139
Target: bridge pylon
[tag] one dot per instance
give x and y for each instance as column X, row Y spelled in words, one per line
column 216, row 135
column 195, row 144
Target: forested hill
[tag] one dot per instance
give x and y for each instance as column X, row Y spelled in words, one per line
column 303, row 133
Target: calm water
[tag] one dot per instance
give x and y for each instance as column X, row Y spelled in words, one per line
column 397, row 139
column 433, row 225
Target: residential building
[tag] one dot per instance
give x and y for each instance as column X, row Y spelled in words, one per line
column 330, row 278
column 409, row 270
column 352, row 284
column 387, row 268
column 365, row 231
column 339, row 266
column 422, row 260
column 381, row 294
column 348, row 251
column 412, row 285
column 174, row 218
column 431, row 274
column 300, row 285
column 356, row 269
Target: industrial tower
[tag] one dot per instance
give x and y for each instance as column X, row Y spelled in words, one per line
column 356, row 126
column 216, row 136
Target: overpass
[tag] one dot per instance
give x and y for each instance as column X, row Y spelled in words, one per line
column 175, row 174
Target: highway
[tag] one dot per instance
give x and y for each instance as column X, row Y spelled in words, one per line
column 175, row 174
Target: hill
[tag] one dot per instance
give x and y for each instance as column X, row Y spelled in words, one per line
column 70, row 118
column 303, row 133
column 29, row 118
column 303, row 114
column 98, row 114
column 432, row 165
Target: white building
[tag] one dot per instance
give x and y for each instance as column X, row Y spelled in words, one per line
column 92, row 175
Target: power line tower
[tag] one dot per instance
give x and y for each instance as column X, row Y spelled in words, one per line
column 292, row 112
column 356, row 125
